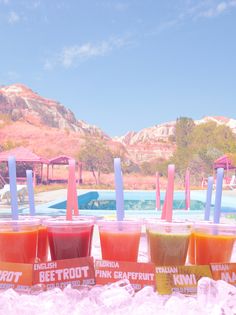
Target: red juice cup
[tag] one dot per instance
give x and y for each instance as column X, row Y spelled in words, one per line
column 168, row 242
column 18, row 240
column 69, row 239
column 43, row 247
column 119, row 240
column 213, row 242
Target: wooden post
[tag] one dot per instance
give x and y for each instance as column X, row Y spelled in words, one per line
column 80, row 172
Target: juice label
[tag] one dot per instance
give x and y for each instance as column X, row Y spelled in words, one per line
column 226, row 272
column 60, row 273
column 139, row 274
column 182, row 279
column 16, row 276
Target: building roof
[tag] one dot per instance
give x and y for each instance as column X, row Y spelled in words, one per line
column 225, row 162
column 22, row 155
column 60, row 160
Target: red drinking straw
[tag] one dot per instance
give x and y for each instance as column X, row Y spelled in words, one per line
column 158, row 195
column 170, row 193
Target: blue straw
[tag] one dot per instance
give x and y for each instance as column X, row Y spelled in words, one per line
column 119, row 190
column 208, row 199
column 30, row 191
column 219, row 185
column 13, row 187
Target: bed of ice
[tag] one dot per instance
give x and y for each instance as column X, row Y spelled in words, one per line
column 213, row 297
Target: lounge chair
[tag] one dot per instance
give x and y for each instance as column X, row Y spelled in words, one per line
column 5, row 193
column 232, row 184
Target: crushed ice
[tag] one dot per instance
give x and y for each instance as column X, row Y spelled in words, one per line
column 213, row 297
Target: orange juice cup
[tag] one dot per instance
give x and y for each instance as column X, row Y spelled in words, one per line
column 120, row 240
column 43, row 249
column 191, row 247
column 168, row 242
column 18, row 240
column 213, row 242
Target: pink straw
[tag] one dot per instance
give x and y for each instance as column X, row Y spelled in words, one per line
column 163, row 213
column 75, row 199
column 170, row 193
column 158, row 195
column 187, row 190
column 70, row 188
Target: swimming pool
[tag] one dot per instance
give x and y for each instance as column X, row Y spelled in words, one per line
column 138, row 204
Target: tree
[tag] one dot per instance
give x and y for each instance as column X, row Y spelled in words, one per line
column 96, row 157
column 183, row 132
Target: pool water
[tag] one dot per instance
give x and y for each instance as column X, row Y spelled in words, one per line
column 139, row 204
column 132, row 201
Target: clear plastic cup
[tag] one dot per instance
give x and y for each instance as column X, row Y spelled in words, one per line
column 18, row 240
column 43, row 247
column 69, row 239
column 191, row 246
column 213, row 242
column 168, row 242
column 119, row 239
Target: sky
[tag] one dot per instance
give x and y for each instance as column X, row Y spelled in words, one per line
column 126, row 64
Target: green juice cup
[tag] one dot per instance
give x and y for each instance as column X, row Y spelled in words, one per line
column 168, row 242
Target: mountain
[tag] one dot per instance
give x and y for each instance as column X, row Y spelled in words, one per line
column 163, row 131
column 20, row 103
column 49, row 129
column 153, row 142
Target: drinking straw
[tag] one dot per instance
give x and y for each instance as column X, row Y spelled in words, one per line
column 187, row 190
column 219, row 185
column 75, row 199
column 208, row 198
column 163, row 213
column 30, row 191
column 170, row 192
column 70, row 197
column 158, row 195
column 119, row 190
column 13, row 187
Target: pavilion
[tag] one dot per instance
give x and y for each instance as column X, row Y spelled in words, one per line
column 62, row 160
column 226, row 163
column 23, row 157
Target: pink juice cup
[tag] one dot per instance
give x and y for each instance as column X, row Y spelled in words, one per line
column 70, row 239
column 119, row 239
column 19, row 240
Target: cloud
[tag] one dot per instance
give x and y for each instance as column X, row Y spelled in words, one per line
column 12, row 76
column 13, row 17
column 120, row 6
column 4, row 1
column 192, row 10
column 72, row 55
column 218, row 8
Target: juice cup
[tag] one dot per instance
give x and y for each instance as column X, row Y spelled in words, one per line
column 168, row 242
column 18, row 240
column 119, row 240
column 69, row 239
column 42, row 250
column 191, row 246
column 213, row 242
